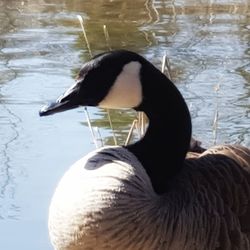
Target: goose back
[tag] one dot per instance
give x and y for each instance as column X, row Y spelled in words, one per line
column 106, row 201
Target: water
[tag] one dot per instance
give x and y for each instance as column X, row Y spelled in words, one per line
column 41, row 49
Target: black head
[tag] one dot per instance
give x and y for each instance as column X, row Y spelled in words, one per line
column 109, row 80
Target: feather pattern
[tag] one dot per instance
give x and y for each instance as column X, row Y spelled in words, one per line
column 110, row 203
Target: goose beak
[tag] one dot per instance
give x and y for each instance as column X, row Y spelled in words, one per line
column 69, row 100
column 56, row 107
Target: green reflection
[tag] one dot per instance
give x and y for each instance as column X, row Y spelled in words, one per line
column 121, row 124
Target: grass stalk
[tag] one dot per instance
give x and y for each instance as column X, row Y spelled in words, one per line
column 84, row 34
column 166, row 66
column 99, row 139
column 111, row 126
column 216, row 115
column 106, row 35
column 90, row 127
column 135, row 121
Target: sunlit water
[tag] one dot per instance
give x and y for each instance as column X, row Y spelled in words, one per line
column 41, row 49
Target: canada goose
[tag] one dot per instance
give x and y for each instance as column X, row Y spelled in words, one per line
column 148, row 195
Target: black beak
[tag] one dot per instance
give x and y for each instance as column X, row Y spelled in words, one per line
column 69, row 100
column 56, row 107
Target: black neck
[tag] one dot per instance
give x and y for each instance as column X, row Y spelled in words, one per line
column 163, row 148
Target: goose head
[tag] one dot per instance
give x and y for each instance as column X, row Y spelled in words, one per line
column 124, row 79
column 109, row 80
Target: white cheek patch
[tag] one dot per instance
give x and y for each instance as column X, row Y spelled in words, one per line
column 126, row 91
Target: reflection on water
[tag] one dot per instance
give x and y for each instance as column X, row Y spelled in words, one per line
column 41, row 50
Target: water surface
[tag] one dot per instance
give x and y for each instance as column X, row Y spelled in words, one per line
column 42, row 48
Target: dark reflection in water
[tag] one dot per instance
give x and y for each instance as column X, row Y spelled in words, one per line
column 42, row 48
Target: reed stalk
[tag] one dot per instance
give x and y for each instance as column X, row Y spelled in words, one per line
column 90, row 127
column 107, row 38
column 216, row 115
column 133, row 126
column 111, row 126
column 84, row 34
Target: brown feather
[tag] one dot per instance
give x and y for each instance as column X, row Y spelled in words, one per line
column 222, row 175
column 106, row 202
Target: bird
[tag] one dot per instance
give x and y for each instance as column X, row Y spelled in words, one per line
column 152, row 194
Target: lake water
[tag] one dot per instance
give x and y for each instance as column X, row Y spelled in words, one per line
column 41, row 49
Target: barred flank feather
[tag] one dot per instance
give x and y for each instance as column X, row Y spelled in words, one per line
column 110, row 204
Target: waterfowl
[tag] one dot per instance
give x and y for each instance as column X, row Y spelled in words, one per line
column 151, row 194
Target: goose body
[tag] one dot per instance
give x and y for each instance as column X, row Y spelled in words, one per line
column 151, row 194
